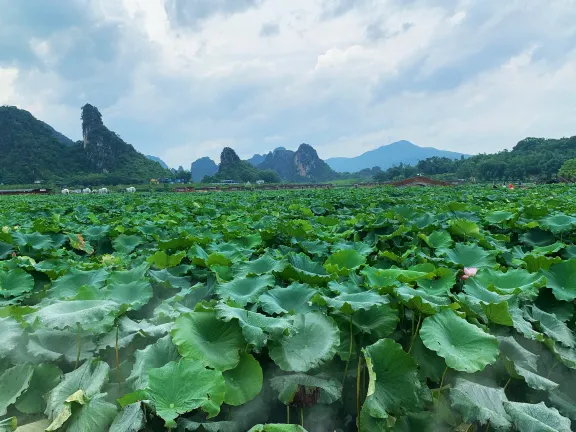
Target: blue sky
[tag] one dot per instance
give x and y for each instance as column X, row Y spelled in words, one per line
column 181, row 79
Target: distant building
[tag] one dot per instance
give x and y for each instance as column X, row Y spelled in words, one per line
column 42, row 191
column 419, row 181
column 259, row 182
column 154, row 181
column 228, row 182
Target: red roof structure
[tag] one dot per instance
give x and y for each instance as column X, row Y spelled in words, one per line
column 419, row 181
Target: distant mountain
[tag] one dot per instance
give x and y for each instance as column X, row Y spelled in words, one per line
column 303, row 165
column 203, row 167
column 389, row 155
column 32, row 150
column 109, row 154
column 232, row 168
column 157, row 159
column 256, row 160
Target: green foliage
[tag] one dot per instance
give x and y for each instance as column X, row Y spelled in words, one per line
column 568, row 169
column 347, row 309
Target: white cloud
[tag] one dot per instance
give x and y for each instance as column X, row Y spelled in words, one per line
column 8, row 77
column 458, row 75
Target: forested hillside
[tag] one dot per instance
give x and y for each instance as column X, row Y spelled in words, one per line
column 537, row 159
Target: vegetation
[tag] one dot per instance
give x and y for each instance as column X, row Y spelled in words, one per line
column 531, row 159
column 360, row 309
column 32, row 150
column 568, row 170
column 232, row 168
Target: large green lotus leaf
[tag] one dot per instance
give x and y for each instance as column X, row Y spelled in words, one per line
column 548, row 250
column 378, row 321
column 497, row 217
column 265, row 264
column 514, row 281
column 558, row 223
column 46, row 376
column 67, row 286
column 11, row 334
column 479, row 403
column 346, row 287
column 202, row 336
column 126, row 243
column 420, row 300
column 293, row 299
column 129, row 419
column 344, row 261
column 288, row 385
column 536, row 417
column 277, row 428
column 393, row 386
column 349, row 303
column 128, row 330
column 525, row 364
column 551, row 326
column 35, row 240
column 161, row 260
column 470, row 255
column 127, row 276
column 15, row 282
column 430, row 365
column 245, row 290
column 256, row 328
column 313, row 339
column 464, row 346
column 131, row 296
column 54, row 345
column 442, row 284
column 379, row 278
column 464, row 228
column 319, row 248
column 5, row 249
column 421, row 422
column 13, row 382
column 244, row 382
column 536, row 263
column 38, row 426
column 303, row 269
column 361, row 247
column 82, row 383
column 96, row 232
column 564, row 355
column 170, row 278
column 218, row 426
column 153, row 356
column 561, row 278
column 95, row 415
column 537, row 237
column 437, row 240
column 86, row 313
column 522, row 325
column 180, row 387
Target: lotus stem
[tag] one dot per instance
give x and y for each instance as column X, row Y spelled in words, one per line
column 287, row 414
column 79, row 344
column 117, row 358
column 487, row 426
column 415, row 333
column 412, row 332
column 442, row 380
column 507, row 382
column 349, row 352
column 358, row 373
column 302, row 417
column 551, row 369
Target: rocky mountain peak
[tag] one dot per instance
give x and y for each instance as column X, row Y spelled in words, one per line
column 228, row 158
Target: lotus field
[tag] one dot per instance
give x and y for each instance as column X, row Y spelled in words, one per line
column 419, row 309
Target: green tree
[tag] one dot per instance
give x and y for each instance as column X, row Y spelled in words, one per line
column 568, row 170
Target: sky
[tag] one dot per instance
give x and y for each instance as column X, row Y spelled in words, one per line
column 181, row 79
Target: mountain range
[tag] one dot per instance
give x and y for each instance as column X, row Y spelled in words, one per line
column 31, row 150
column 400, row 152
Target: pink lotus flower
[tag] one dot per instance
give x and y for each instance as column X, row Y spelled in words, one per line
column 469, row 272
